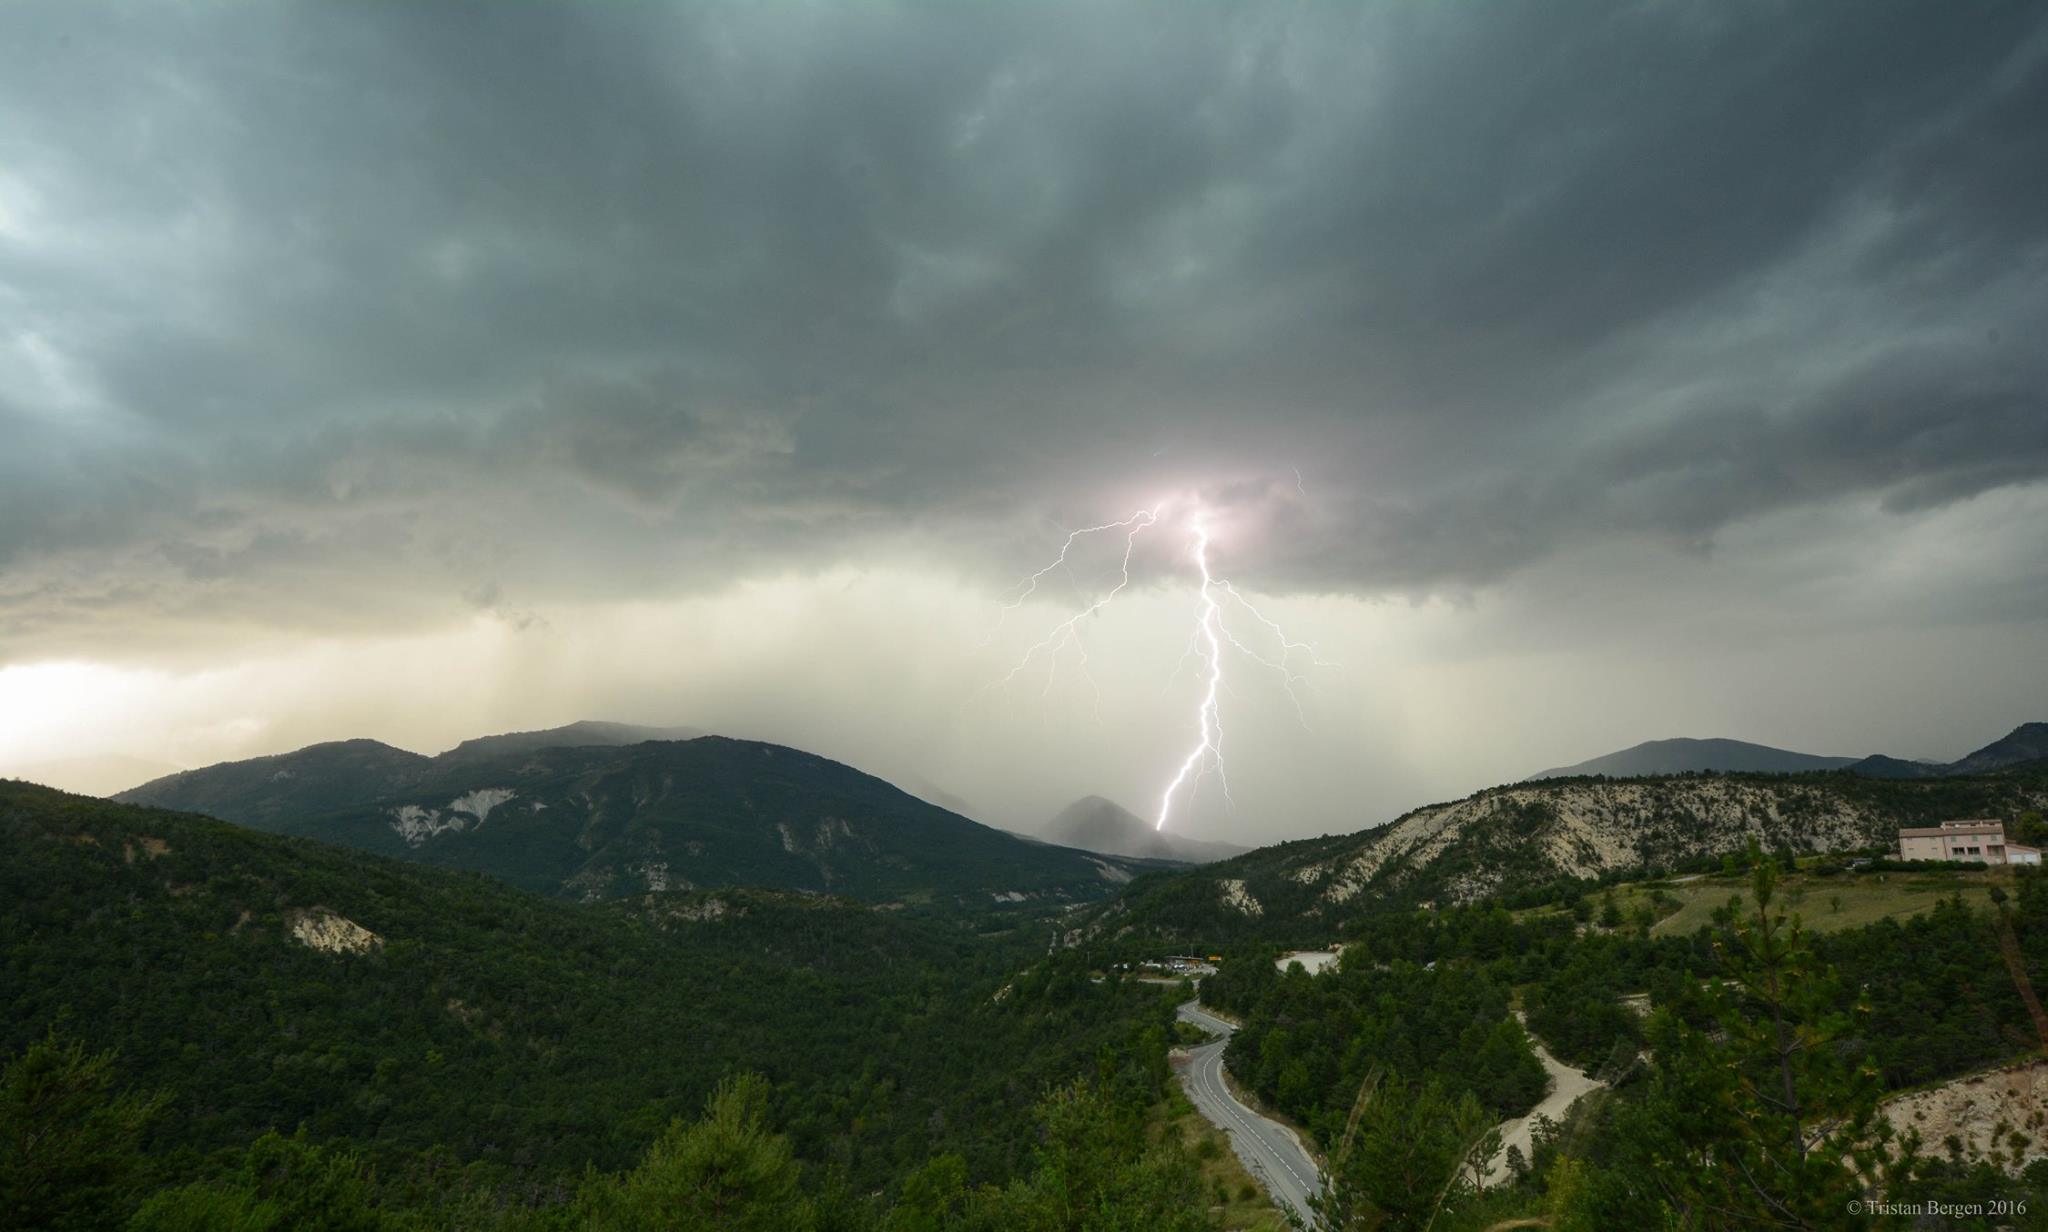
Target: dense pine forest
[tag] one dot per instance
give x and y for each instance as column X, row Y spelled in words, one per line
column 211, row 1027
column 1742, row 1066
column 489, row 1055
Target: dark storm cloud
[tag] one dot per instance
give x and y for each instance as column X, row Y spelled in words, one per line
column 540, row 300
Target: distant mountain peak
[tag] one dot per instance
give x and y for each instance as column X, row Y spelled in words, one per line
column 1096, row 823
column 1682, row 754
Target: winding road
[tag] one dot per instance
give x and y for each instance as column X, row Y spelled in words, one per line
column 1270, row 1151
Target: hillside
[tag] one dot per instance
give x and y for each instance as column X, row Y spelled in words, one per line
column 2022, row 745
column 268, row 792
column 1880, row 766
column 2026, row 743
column 1517, row 838
column 1682, row 755
column 269, row 982
column 1095, row 824
column 600, row 820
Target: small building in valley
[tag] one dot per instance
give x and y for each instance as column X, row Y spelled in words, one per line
column 1966, row 842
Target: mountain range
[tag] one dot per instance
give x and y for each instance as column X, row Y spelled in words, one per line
column 2025, row 743
column 601, row 810
column 278, row 982
column 578, row 812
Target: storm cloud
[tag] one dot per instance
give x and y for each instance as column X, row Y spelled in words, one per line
column 358, row 319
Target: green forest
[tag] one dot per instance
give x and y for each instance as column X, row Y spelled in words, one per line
column 497, row 1055
column 1743, row 1066
column 460, row 1054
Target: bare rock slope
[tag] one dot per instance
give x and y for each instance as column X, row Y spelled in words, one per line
column 1506, row 839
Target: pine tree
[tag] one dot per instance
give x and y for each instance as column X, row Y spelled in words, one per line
column 68, row 1143
column 1769, row 1118
column 726, row 1171
column 1416, row 1153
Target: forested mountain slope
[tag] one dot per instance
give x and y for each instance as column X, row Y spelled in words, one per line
column 276, row 982
column 269, row 792
column 1510, row 839
column 1682, row 1033
column 2023, row 744
column 594, row 821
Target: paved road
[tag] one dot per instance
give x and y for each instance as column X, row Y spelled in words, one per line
column 1270, row 1151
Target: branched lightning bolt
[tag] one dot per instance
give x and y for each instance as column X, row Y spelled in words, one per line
column 1137, row 521
column 1209, row 750
column 1068, row 632
column 1206, row 641
column 1284, row 664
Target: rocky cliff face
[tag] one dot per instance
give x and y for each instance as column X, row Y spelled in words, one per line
column 1518, row 837
column 1586, row 829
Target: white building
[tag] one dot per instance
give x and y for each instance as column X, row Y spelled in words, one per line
column 1967, row 842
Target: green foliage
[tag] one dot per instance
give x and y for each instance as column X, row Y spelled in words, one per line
column 1575, row 1005
column 727, row 1171
column 207, row 1208
column 1765, row 1113
column 1417, row 1153
column 68, row 1145
column 1893, row 1004
column 499, row 1060
column 498, row 1044
column 931, row 1198
column 1570, row 1200
column 283, row 1183
column 1308, row 1042
column 1095, row 1173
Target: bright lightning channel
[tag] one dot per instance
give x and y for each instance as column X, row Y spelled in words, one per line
column 1206, row 641
column 1209, row 750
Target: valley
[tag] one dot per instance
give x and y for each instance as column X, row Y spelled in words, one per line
column 391, row 955
column 1102, row 616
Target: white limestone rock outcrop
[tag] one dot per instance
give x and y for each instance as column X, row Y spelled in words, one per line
column 323, row 930
column 416, row 823
column 1238, row 897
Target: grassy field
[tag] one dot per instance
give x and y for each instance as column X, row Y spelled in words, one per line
column 1825, row 904
column 1237, row 1199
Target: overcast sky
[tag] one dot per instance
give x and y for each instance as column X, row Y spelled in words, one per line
column 1569, row 374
